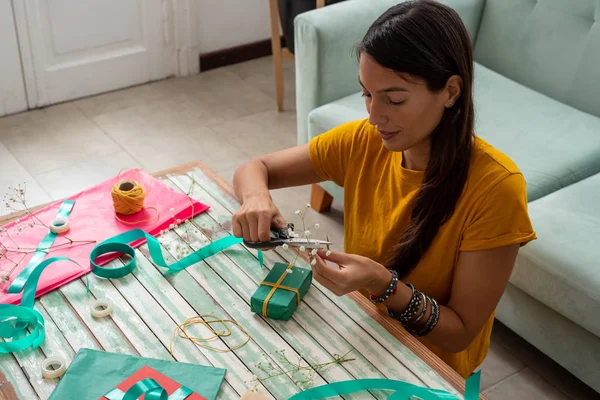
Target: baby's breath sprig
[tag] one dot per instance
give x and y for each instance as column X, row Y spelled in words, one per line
column 306, row 234
column 300, row 372
column 10, row 252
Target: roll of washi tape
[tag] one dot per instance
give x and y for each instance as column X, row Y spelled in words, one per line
column 54, row 372
column 101, row 308
column 59, row 225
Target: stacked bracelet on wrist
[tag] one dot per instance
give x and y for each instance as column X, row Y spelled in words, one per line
column 391, row 289
column 411, row 314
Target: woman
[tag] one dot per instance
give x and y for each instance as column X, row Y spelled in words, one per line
column 434, row 215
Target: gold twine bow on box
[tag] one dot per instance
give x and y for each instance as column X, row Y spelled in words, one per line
column 277, row 285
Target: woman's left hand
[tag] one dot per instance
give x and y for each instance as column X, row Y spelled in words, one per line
column 355, row 272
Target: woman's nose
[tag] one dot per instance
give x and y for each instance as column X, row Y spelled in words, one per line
column 376, row 116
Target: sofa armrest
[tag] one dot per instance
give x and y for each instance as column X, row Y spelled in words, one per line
column 325, row 42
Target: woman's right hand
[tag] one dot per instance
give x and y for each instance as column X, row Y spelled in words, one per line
column 255, row 218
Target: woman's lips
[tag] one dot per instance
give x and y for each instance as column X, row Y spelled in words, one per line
column 387, row 135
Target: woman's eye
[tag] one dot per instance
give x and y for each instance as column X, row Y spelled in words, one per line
column 395, row 103
column 365, row 95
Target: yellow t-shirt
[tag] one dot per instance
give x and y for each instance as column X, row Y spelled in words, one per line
column 379, row 194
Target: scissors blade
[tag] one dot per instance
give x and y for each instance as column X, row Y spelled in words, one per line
column 308, row 243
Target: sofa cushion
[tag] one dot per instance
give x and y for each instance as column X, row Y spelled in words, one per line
column 560, row 269
column 552, row 46
column 554, row 145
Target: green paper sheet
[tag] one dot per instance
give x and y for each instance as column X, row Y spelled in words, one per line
column 283, row 303
column 93, row 373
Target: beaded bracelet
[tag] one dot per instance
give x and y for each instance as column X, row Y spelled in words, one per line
column 431, row 321
column 391, row 289
column 423, row 311
column 411, row 310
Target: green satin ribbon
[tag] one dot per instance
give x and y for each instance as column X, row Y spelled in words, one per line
column 120, row 244
column 151, row 391
column 402, row 390
column 40, row 253
column 14, row 320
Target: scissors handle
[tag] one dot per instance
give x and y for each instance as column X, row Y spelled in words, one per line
column 278, row 238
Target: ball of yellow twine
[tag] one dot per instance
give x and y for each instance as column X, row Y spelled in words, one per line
column 128, row 197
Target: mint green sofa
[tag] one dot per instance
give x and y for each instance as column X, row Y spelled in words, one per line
column 537, row 98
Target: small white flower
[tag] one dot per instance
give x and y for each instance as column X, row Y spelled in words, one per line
column 298, row 212
column 313, row 262
column 307, row 233
column 308, row 206
column 178, row 221
column 314, row 252
column 289, row 271
column 317, row 226
column 302, row 248
column 171, row 226
column 285, row 246
column 18, row 220
column 328, row 253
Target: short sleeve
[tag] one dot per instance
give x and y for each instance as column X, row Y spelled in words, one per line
column 330, row 152
column 502, row 218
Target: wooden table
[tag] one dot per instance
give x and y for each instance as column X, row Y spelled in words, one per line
column 149, row 305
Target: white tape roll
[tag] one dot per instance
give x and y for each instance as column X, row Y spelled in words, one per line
column 101, row 308
column 54, row 373
column 59, row 225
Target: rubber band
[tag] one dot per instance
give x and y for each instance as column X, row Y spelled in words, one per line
column 201, row 320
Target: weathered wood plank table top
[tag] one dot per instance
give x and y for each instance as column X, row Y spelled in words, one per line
column 149, row 305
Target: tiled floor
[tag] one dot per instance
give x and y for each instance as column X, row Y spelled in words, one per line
column 222, row 118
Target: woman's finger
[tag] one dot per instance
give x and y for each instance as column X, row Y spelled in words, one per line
column 326, row 271
column 252, row 227
column 264, row 227
column 236, row 226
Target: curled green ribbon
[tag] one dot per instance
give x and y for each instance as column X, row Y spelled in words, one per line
column 151, row 391
column 15, row 320
column 401, row 390
column 120, row 244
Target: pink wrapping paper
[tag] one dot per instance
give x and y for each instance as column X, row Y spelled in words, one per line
column 93, row 218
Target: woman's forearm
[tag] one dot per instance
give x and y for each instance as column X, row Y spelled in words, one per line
column 449, row 333
column 251, row 179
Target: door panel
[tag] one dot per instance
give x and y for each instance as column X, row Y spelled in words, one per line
column 80, row 48
column 12, row 87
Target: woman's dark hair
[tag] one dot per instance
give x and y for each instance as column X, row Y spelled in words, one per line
column 427, row 40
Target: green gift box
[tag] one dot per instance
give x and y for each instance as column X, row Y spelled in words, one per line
column 279, row 295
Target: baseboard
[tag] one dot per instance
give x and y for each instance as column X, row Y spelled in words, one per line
column 238, row 54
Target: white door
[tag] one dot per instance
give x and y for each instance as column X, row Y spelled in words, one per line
column 12, row 88
column 77, row 48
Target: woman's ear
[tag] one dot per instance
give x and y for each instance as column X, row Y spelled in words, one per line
column 453, row 90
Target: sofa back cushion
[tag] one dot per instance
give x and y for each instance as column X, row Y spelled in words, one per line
column 551, row 46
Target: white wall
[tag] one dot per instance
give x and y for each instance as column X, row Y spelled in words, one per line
column 12, row 88
column 222, row 24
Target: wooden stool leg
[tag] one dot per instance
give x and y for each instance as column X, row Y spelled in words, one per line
column 276, row 49
column 320, row 200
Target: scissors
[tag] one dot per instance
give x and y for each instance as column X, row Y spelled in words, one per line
column 282, row 236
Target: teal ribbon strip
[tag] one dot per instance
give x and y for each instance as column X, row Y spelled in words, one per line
column 14, row 320
column 40, row 253
column 151, row 391
column 402, row 390
column 120, row 244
